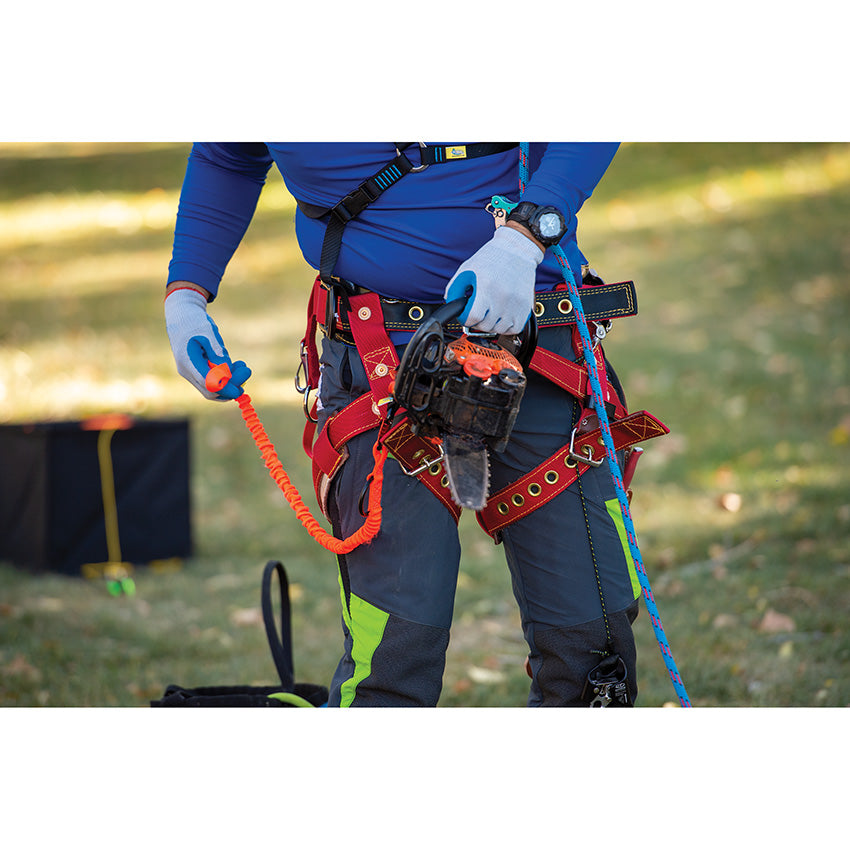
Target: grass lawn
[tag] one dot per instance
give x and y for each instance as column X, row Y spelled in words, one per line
column 741, row 256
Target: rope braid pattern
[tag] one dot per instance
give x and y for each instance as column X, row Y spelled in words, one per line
column 370, row 527
column 602, row 415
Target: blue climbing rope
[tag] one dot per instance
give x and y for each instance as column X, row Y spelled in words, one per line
column 602, row 415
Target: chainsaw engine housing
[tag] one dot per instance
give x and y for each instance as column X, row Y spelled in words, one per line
column 469, row 386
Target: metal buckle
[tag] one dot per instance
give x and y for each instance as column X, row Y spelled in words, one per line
column 602, row 330
column 427, row 465
column 585, row 458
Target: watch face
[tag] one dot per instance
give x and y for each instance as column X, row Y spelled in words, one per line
column 549, row 225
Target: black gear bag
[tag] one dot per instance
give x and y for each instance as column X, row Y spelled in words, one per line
column 287, row 694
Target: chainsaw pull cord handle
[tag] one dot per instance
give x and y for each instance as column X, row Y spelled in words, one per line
column 370, row 527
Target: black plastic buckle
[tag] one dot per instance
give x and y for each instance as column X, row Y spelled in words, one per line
column 337, row 289
column 606, row 684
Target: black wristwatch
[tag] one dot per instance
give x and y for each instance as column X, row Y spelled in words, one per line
column 547, row 224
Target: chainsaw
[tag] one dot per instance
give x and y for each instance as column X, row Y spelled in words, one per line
column 466, row 392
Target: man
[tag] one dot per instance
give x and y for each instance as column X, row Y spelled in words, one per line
column 415, row 229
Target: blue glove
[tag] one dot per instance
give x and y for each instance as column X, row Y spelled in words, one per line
column 196, row 344
column 499, row 280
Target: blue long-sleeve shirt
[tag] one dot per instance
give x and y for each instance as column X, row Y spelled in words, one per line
column 410, row 241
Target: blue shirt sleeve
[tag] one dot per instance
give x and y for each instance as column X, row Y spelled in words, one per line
column 565, row 174
column 217, row 202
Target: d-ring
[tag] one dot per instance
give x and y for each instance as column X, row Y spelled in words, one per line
column 418, row 167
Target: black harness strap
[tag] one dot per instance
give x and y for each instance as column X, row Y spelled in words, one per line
column 369, row 190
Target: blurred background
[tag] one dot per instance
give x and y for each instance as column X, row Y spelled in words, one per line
column 741, row 256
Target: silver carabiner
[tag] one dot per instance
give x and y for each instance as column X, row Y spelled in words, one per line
column 302, row 367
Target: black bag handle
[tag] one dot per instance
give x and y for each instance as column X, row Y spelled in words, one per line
column 281, row 646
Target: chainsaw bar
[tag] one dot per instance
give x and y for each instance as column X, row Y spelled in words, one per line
column 468, row 470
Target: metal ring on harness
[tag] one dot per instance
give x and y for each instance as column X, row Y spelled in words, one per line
column 306, row 405
column 587, row 457
column 417, row 168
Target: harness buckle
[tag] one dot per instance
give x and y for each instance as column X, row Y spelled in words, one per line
column 602, row 330
column 426, row 465
column 337, row 288
column 587, row 456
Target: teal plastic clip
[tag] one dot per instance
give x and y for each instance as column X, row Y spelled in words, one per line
column 500, row 208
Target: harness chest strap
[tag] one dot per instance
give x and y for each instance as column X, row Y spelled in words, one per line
column 558, row 472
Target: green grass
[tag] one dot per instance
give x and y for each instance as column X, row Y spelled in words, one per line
column 741, row 258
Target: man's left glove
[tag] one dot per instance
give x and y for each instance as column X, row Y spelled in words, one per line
column 196, row 344
column 499, row 280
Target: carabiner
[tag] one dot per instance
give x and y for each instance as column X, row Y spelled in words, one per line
column 302, row 367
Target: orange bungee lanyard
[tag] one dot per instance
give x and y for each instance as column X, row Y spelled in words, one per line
column 217, row 377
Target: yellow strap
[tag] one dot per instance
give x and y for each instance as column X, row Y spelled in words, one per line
column 107, row 487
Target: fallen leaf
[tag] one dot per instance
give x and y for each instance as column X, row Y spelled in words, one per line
column 731, row 502
column 719, row 572
column 246, row 617
column 482, row 676
column 19, row 666
column 773, row 622
column 724, row 621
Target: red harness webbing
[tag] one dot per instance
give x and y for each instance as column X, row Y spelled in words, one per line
column 558, row 472
column 380, row 361
column 537, row 487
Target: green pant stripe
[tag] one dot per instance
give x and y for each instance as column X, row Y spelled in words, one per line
column 616, row 514
column 366, row 624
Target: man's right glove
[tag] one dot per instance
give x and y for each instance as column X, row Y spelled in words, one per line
column 499, row 281
column 196, row 344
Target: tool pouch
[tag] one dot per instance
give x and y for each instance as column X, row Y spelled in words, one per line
column 288, row 693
